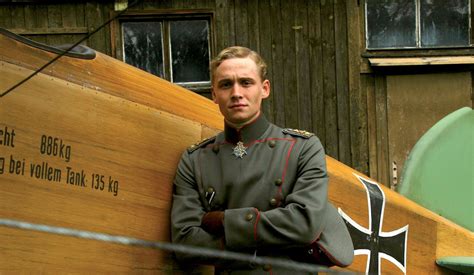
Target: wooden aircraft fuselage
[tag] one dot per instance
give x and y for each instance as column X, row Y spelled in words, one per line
column 93, row 144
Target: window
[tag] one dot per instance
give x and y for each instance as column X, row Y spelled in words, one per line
column 395, row 24
column 174, row 48
column 143, row 46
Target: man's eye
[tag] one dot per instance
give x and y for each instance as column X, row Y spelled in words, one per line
column 246, row 83
column 225, row 85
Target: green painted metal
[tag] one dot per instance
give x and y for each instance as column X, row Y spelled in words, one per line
column 460, row 264
column 438, row 173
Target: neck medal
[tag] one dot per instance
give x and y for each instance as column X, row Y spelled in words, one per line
column 239, row 150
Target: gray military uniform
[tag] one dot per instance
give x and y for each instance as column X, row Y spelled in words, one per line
column 274, row 195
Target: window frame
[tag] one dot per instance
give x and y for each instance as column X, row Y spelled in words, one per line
column 165, row 16
column 414, row 51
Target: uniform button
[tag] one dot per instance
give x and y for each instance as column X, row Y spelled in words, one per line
column 278, row 182
column 273, row 202
column 249, row 217
column 271, row 143
column 267, row 267
column 215, row 148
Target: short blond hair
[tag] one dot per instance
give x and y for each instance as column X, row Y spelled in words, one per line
column 239, row 52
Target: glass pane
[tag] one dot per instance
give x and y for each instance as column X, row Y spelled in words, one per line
column 190, row 50
column 391, row 23
column 444, row 23
column 143, row 47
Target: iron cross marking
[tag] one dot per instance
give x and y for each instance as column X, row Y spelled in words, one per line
column 372, row 241
column 239, row 150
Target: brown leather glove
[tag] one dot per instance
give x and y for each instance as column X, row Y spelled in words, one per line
column 311, row 254
column 213, row 223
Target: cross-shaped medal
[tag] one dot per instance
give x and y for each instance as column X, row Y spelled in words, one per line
column 372, row 241
column 239, row 150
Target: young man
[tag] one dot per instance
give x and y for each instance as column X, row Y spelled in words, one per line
column 255, row 188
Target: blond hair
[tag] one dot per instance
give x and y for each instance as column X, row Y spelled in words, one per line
column 239, row 52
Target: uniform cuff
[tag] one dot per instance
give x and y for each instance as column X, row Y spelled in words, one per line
column 241, row 227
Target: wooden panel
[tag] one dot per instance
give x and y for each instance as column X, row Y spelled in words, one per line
column 178, row 4
column 241, row 23
column 225, row 24
column 96, row 74
column 329, row 78
column 37, row 17
column 29, row 17
column 55, row 20
column 278, row 68
column 44, row 31
column 316, row 76
column 90, row 161
column 94, row 19
column 49, row 253
column 301, row 32
column 383, row 161
column 430, row 236
column 369, row 83
column 253, row 25
column 5, row 16
column 417, row 102
column 290, row 90
column 265, row 49
column 343, row 120
column 18, row 17
column 357, row 95
column 69, row 20
column 416, row 61
column 121, row 129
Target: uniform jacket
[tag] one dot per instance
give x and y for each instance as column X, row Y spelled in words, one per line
column 274, row 196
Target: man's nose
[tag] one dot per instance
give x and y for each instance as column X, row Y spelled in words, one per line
column 236, row 91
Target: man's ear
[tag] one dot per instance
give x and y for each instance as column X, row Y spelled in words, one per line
column 266, row 88
column 214, row 98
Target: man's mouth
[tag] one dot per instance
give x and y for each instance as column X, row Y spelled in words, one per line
column 237, row 105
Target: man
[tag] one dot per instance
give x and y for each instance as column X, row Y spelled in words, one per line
column 255, row 188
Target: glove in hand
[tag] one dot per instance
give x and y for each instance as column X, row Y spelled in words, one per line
column 311, row 254
column 213, row 223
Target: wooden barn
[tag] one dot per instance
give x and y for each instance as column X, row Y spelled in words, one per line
column 368, row 95
column 369, row 77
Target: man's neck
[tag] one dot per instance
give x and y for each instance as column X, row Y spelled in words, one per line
column 241, row 125
column 249, row 132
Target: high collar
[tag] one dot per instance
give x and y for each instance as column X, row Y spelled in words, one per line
column 248, row 133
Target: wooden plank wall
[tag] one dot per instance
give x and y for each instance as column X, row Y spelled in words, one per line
column 56, row 24
column 311, row 47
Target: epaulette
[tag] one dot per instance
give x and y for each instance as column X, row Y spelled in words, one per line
column 298, row 133
column 201, row 144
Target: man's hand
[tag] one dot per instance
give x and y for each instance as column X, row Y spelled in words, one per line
column 213, row 223
column 311, row 254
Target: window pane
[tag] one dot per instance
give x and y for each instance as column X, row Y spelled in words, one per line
column 444, row 23
column 143, row 47
column 391, row 23
column 190, row 50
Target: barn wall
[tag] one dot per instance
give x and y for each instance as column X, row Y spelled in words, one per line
column 321, row 81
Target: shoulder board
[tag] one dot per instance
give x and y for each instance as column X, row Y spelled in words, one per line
column 298, row 133
column 201, row 144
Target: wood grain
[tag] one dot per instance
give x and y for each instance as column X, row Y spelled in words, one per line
column 117, row 128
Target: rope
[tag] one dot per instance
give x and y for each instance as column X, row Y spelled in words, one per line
column 185, row 249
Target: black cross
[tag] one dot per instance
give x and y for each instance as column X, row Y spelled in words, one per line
column 374, row 242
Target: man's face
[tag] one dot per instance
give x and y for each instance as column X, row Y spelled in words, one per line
column 239, row 90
